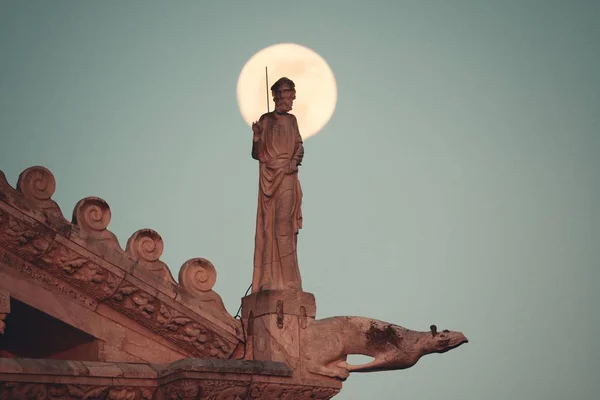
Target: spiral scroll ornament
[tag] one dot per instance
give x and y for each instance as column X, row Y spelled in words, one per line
column 145, row 244
column 92, row 214
column 37, row 183
column 197, row 276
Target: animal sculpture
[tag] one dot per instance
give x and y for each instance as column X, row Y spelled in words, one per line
column 328, row 342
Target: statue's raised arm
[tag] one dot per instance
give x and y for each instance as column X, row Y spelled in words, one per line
column 256, row 137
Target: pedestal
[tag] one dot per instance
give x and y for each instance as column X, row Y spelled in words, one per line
column 276, row 320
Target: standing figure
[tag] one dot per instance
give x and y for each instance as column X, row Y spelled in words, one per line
column 277, row 145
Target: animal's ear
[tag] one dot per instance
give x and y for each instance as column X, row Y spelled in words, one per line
column 433, row 330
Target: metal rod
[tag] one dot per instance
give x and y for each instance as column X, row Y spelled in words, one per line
column 267, row 86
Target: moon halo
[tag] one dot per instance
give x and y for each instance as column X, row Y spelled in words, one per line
column 316, row 90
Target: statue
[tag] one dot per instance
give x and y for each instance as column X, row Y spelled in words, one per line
column 280, row 316
column 329, row 341
column 277, row 145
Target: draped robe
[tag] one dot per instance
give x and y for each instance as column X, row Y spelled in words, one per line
column 279, row 215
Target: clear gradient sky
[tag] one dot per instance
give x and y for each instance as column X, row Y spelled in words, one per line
column 457, row 182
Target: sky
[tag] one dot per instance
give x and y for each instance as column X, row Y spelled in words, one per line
column 456, row 184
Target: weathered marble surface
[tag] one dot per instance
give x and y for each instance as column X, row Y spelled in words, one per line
column 190, row 379
column 329, row 341
column 141, row 334
column 277, row 145
column 77, row 272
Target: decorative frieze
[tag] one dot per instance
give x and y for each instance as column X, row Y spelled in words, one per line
column 80, row 271
column 84, row 262
column 24, row 235
column 45, row 279
column 56, row 391
column 159, row 317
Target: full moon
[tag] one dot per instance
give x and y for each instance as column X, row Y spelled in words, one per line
column 316, row 91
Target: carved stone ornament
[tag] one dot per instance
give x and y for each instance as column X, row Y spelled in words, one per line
column 276, row 391
column 84, row 262
column 197, row 278
column 80, row 271
column 37, row 184
column 329, row 341
column 46, row 279
column 149, row 311
column 26, row 236
column 131, row 300
column 92, row 216
column 146, row 247
column 57, row 391
column 190, row 389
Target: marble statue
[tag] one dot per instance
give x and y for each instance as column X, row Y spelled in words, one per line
column 277, row 145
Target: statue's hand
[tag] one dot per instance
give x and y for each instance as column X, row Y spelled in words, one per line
column 257, row 130
column 292, row 167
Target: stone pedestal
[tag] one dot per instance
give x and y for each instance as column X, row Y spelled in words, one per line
column 276, row 320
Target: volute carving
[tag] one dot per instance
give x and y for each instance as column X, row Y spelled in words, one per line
column 197, row 276
column 37, row 183
column 146, row 247
column 196, row 279
column 91, row 216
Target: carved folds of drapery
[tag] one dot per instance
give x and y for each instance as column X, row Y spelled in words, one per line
column 84, row 261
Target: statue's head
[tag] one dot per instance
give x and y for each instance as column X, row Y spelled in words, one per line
column 284, row 93
column 441, row 342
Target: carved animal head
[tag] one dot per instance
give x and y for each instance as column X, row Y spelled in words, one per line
column 394, row 347
column 441, row 342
